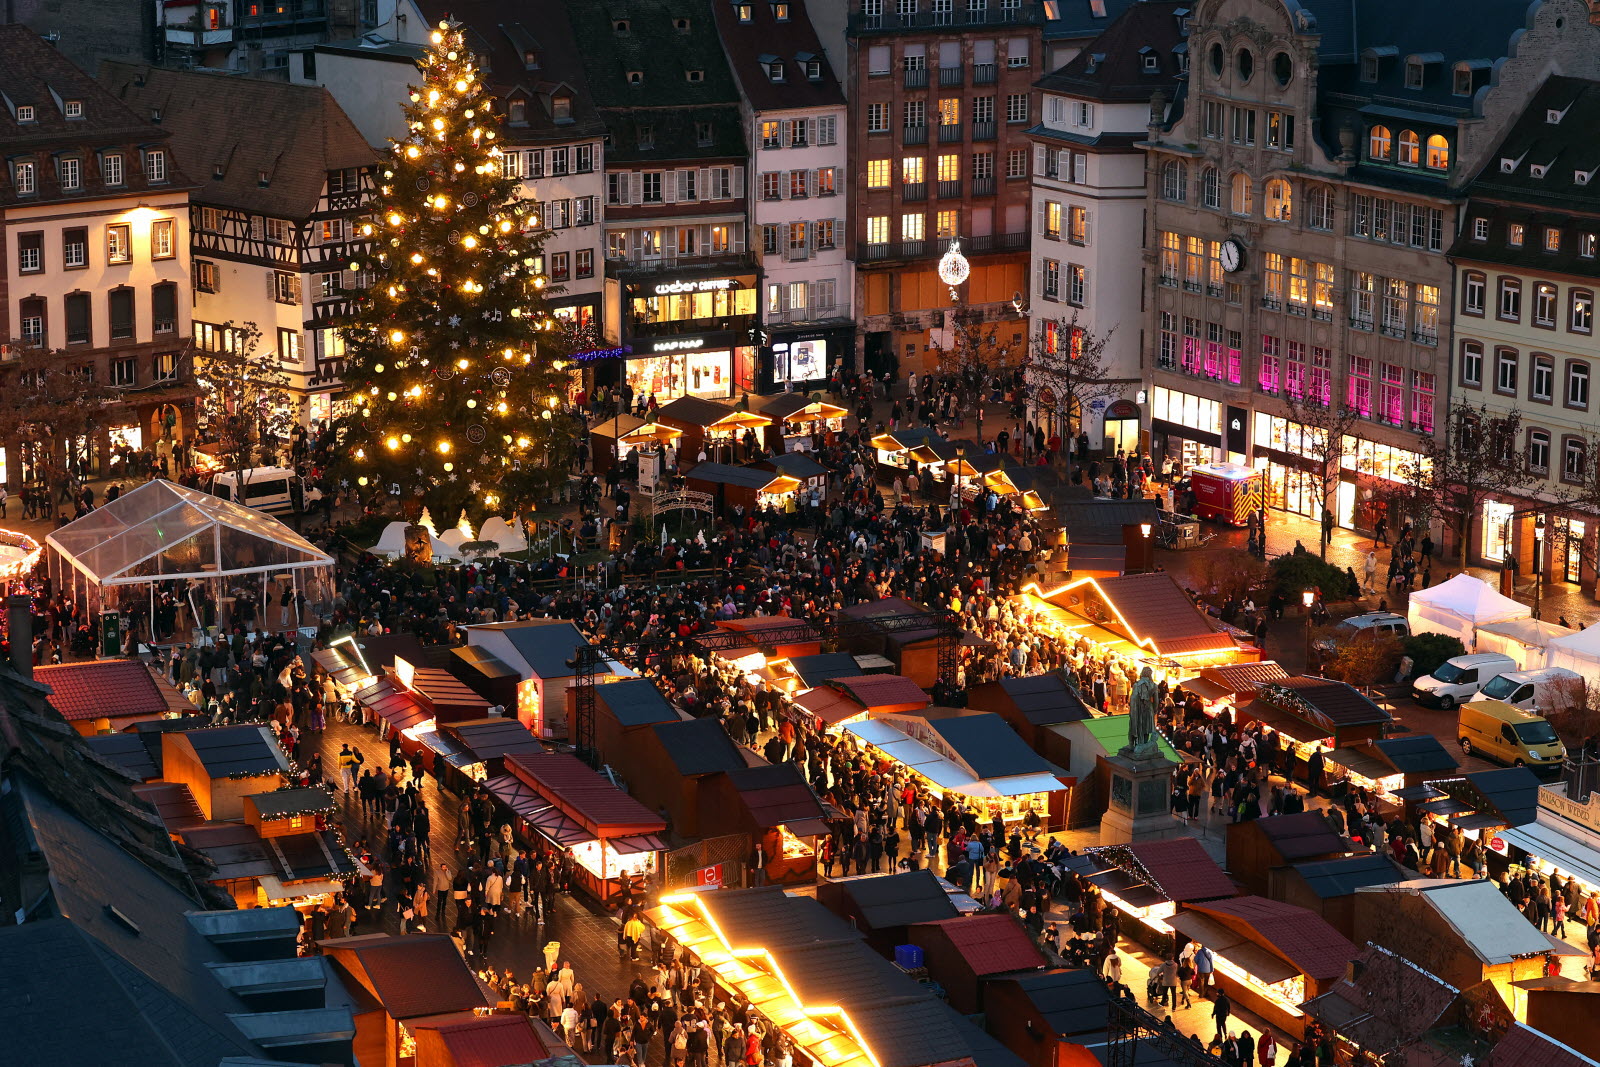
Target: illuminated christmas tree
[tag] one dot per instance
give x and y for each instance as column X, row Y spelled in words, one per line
column 454, row 368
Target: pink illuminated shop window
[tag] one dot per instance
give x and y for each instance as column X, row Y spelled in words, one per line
column 1359, row 394
column 1213, row 359
column 1235, row 366
column 1191, row 355
column 1270, row 372
column 1392, row 401
column 1422, row 402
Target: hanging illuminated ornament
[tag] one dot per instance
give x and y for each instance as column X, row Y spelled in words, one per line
column 953, row 267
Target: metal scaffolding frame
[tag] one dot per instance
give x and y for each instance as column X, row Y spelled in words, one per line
column 1128, row 1025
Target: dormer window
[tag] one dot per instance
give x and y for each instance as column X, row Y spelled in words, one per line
column 780, row 12
column 746, row 12
column 1581, row 177
column 1152, row 63
column 73, row 109
column 1372, row 59
column 1414, row 72
column 775, row 70
column 1480, row 229
column 217, row 172
column 681, row 25
column 1463, row 82
column 1514, row 234
column 530, row 60
column 635, row 77
column 561, row 108
column 517, row 112
column 696, row 75
column 647, row 136
column 263, row 179
column 702, row 134
column 24, row 112
column 1537, row 170
column 814, row 70
column 619, row 26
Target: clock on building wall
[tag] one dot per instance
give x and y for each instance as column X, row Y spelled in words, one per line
column 1232, row 255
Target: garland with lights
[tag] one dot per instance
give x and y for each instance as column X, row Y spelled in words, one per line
column 454, row 366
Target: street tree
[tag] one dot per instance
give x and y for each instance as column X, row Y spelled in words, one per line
column 1068, row 369
column 454, row 363
column 1472, row 459
column 51, row 409
column 246, row 409
column 1320, row 430
column 972, row 357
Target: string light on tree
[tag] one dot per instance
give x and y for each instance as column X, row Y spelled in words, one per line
column 452, row 355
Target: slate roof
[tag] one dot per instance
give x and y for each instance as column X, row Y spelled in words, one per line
column 100, row 689
column 989, row 746
column 1416, row 753
column 1111, row 67
column 788, row 40
column 282, row 803
column 1305, row 938
column 1045, row 699
column 1078, row 21
column 545, row 645
column 664, row 99
column 899, row 899
column 636, row 702
column 1301, row 835
column 727, row 474
column 127, row 751
column 225, row 751
column 294, row 134
column 1338, row 878
column 814, row 670
column 1335, row 703
column 1071, row 1001
column 991, row 944
column 1513, row 791
column 415, row 975
column 699, row 746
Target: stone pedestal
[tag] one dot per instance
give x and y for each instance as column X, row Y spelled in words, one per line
column 1140, row 807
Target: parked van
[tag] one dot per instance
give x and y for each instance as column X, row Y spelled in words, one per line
column 1496, row 730
column 272, row 489
column 1458, row 680
column 1544, row 690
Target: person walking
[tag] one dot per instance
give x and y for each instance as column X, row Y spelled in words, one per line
column 1267, row 1049
column 1220, row 1010
column 1205, row 965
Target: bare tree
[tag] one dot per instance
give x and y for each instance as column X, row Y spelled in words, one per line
column 1323, row 429
column 973, row 358
column 1472, row 459
column 246, row 407
column 1068, row 369
column 50, row 407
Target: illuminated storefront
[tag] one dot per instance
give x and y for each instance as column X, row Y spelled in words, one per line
column 1291, row 455
column 803, row 358
column 689, row 336
column 1190, row 424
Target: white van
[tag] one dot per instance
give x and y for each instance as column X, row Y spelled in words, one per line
column 1456, row 681
column 272, row 489
column 1544, row 690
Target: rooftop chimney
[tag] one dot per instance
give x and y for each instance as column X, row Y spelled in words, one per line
column 19, row 614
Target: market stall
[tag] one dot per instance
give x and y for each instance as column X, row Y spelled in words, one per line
column 463, row 754
column 1459, row 606
column 743, row 490
column 776, row 809
column 1224, row 687
column 1256, row 847
column 612, row 837
column 1563, row 838
column 1270, row 956
column 799, row 422
column 1146, row 882
column 1524, row 640
column 1311, row 715
column 708, row 426
column 605, row 441
column 894, row 449
column 973, row 756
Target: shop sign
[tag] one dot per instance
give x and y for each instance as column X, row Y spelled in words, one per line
column 1497, row 844
column 682, row 345
column 705, row 285
column 602, row 353
column 709, row 877
column 1123, row 409
column 1585, row 815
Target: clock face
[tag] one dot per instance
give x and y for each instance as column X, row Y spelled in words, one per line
column 1232, row 255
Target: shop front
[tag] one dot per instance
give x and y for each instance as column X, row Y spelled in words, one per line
column 690, row 336
column 1291, row 453
column 1563, row 839
column 799, row 423
column 1122, row 429
column 1185, row 428
column 801, row 357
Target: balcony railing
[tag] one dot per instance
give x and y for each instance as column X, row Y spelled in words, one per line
column 949, row 133
column 983, row 131
column 951, row 77
column 917, row 78
column 914, row 135
column 1029, row 14
column 950, row 190
column 983, row 186
column 813, row 313
column 983, row 74
column 971, row 246
column 913, row 190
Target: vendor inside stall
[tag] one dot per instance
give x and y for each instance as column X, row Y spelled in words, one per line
column 800, row 424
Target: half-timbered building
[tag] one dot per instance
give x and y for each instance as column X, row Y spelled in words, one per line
column 283, row 181
column 94, row 227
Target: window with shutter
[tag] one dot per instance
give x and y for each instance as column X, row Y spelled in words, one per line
column 77, row 318
column 164, row 308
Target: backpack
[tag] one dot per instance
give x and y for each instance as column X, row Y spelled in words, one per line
column 680, row 1041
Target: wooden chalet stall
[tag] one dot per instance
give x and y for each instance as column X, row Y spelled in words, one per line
column 799, row 423
column 1089, row 742
column 282, row 852
column 625, row 709
column 747, row 488
column 961, row 953
column 442, row 695
column 886, row 908
column 716, row 428
column 110, row 695
column 1224, row 688
column 401, row 985
column 613, row 838
column 1270, row 957
column 667, row 765
column 852, row 697
column 1050, row 1018
column 776, row 809
column 461, row 755
column 605, row 441
column 1316, row 714
column 543, row 653
column 904, row 632
column 1328, row 887
column 802, row 468
column 1030, row 706
column 1258, row 846
column 1147, row 881
column 894, row 451
column 221, row 765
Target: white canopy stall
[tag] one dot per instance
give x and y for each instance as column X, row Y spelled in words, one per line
column 1524, row 640
column 1577, row 652
column 163, row 532
column 1458, row 607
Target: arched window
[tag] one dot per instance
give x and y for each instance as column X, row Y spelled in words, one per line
column 1174, row 181
column 1216, row 59
column 1243, row 195
column 1211, row 189
column 1278, row 201
column 1378, row 143
column 1409, row 148
column 1438, row 152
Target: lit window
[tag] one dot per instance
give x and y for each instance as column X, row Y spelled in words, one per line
column 1379, row 142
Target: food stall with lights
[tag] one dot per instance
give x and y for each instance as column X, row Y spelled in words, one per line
column 1311, row 713
column 802, row 468
column 717, row 428
column 542, row 653
column 462, row 755
column 605, row 441
column 1562, row 838
column 1270, row 956
column 742, row 490
column 972, row 757
column 1228, row 685
column 850, row 698
column 613, row 837
column 18, row 555
column 895, row 450
column 776, row 809
column 799, row 422
column 1146, row 882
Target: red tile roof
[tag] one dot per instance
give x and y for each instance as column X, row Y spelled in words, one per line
column 489, row 1041
column 583, row 794
column 991, row 944
column 1303, row 937
column 1182, row 870
column 1524, row 1046
column 883, row 690
column 1157, row 609
column 421, row 974
column 104, row 689
column 828, row 705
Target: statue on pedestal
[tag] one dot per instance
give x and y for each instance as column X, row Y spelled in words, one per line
column 1142, row 703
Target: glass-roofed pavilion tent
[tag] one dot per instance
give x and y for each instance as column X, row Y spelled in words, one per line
column 116, row 555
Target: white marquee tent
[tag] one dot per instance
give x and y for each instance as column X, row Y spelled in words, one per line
column 1577, row 652
column 1458, row 607
column 1524, row 640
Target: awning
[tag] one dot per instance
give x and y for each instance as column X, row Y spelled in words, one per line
column 947, row 773
column 627, row 846
column 349, row 674
column 1206, row 689
column 393, row 705
column 808, row 827
column 1233, row 947
column 277, row 890
column 1549, row 843
column 1285, row 724
column 558, row 828
column 828, row 705
column 536, row 811
column 1362, row 762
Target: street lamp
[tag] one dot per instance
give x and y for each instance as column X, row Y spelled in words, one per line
column 955, row 476
column 1308, row 597
column 1149, row 550
column 1538, row 564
